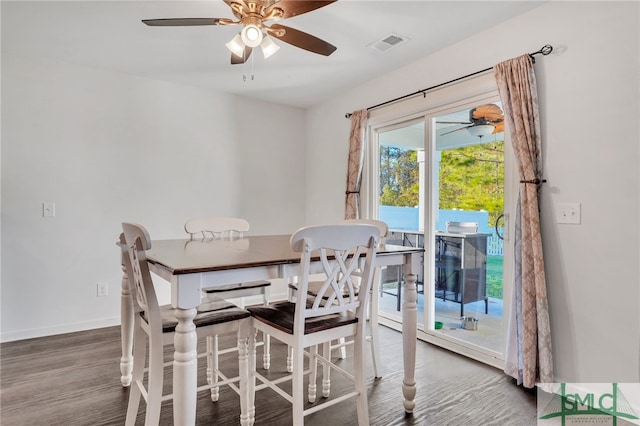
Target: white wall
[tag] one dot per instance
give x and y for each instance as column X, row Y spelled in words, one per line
column 589, row 101
column 75, row 135
column 107, row 148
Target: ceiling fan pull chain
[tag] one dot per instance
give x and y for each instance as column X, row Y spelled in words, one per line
column 244, row 66
column 252, row 76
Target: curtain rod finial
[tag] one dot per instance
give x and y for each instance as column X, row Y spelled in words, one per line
column 347, row 115
column 544, row 51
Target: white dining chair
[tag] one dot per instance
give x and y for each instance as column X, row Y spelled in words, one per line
column 374, row 301
column 157, row 324
column 335, row 312
column 374, row 304
column 232, row 228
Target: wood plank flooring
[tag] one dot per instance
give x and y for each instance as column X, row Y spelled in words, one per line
column 74, row 379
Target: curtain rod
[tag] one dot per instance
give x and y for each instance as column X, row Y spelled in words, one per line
column 545, row 50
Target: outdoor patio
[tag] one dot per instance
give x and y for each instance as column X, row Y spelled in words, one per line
column 489, row 332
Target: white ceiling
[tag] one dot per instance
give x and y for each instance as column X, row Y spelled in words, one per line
column 110, row 35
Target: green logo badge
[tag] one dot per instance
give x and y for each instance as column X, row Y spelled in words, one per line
column 592, row 404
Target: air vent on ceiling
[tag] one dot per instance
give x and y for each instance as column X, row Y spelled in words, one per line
column 388, row 42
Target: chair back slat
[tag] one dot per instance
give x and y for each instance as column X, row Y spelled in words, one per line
column 137, row 242
column 126, row 260
column 216, row 227
column 340, row 249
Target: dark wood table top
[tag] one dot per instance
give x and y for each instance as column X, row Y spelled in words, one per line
column 205, row 255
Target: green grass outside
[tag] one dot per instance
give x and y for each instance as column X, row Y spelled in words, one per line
column 494, row 276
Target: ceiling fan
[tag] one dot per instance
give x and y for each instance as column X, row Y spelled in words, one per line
column 484, row 120
column 253, row 15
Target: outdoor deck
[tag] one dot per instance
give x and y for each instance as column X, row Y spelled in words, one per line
column 488, row 334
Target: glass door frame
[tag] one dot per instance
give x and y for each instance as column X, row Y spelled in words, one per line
column 470, row 93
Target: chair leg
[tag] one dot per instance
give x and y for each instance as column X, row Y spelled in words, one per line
column 343, row 348
column 289, row 359
column 266, row 356
column 213, row 365
column 155, row 382
column 297, row 388
column 326, row 370
column 251, row 389
column 399, row 292
column 374, row 308
column 292, row 298
column 137, row 375
column 245, row 367
column 266, row 338
column 361, row 400
column 313, row 377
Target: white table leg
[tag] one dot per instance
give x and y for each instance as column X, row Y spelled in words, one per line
column 409, row 331
column 247, row 365
column 126, row 330
column 185, row 368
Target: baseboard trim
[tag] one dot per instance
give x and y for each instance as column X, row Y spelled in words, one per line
column 33, row 333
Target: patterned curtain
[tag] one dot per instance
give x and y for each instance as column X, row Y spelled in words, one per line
column 528, row 357
column 354, row 167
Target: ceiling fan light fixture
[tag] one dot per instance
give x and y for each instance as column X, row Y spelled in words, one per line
column 481, row 130
column 236, row 46
column 251, row 35
column 268, row 46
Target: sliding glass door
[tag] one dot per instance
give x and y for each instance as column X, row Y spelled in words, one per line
column 438, row 180
column 468, row 209
column 400, row 154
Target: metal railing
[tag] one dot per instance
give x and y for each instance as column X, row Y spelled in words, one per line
column 495, row 246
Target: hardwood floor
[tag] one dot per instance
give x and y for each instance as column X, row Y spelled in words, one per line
column 74, row 379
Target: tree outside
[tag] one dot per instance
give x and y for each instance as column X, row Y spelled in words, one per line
column 399, row 177
column 471, row 178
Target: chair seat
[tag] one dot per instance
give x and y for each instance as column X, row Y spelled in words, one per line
column 212, row 311
column 280, row 315
column 239, row 286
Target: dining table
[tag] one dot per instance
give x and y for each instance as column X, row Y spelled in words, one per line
column 193, row 265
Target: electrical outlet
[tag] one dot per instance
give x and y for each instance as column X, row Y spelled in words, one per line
column 568, row 213
column 102, row 289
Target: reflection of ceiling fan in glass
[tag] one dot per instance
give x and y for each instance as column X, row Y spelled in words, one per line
column 252, row 15
column 483, row 121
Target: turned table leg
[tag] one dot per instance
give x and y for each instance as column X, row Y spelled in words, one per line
column 409, row 331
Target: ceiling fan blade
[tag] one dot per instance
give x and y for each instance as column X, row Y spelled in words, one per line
column 295, row 8
column 186, row 22
column 235, row 59
column 488, row 112
column 456, row 130
column 453, row 122
column 301, row 39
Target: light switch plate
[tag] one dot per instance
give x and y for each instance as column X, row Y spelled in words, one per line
column 568, row 213
column 48, row 209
